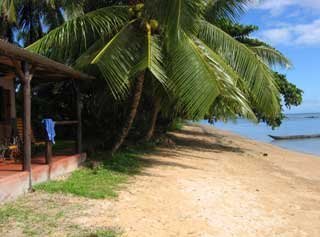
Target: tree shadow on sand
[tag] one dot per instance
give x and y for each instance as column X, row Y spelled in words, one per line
column 177, row 155
column 201, row 134
column 174, row 155
column 156, row 162
column 195, row 142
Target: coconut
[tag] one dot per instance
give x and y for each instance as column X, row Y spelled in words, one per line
column 139, row 7
column 154, row 24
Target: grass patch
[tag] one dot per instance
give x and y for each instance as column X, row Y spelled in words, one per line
column 91, row 183
column 101, row 233
column 99, row 182
column 42, row 214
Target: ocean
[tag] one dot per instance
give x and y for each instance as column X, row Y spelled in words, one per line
column 293, row 124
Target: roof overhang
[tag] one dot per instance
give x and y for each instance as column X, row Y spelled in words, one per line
column 44, row 68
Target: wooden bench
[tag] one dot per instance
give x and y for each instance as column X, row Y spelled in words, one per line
column 20, row 129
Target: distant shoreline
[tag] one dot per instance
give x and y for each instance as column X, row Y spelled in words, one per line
column 302, row 113
column 295, row 124
column 263, row 142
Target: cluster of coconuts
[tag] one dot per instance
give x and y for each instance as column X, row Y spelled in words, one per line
column 137, row 12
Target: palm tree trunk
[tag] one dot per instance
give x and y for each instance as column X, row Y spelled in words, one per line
column 155, row 112
column 133, row 111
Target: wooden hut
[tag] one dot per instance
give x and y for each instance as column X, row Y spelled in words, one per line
column 19, row 64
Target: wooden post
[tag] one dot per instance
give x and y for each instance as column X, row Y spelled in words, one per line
column 48, row 153
column 25, row 74
column 27, row 121
column 48, row 156
column 79, row 118
column 27, row 125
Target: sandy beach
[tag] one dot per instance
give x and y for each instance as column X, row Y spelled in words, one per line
column 214, row 183
column 205, row 183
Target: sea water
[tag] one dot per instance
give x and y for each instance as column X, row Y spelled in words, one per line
column 293, row 124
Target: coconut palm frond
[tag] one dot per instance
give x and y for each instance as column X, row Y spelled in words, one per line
column 225, row 9
column 230, row 84
column 247, row 64
column 119, row 57
column 193, row 79
column 156, row 61
column 73, row 8
column 8, row 9
column 85, row 59
column 157, row 9
column 271, row 56
column 153, row 59
column 182, row 16
column 76, row 35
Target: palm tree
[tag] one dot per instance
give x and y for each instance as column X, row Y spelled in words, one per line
column 8, row 18
column 34, row 18
column 192, row 59
column 222, row 109
column 224, row 14
column 29, row 19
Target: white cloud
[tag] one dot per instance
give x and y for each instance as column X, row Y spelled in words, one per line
column 276, row 7
column 300, row 34
column 276, row 36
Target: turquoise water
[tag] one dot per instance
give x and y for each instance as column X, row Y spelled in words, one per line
column 294, row 124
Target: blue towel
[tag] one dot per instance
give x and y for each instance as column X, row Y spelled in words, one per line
column 49, row 126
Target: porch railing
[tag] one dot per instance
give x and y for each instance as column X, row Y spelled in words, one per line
column 49, row 150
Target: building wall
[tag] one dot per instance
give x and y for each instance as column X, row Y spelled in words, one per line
column 14, row 184
column 7, row 83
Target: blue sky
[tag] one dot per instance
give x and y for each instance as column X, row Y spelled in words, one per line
column 293, row 27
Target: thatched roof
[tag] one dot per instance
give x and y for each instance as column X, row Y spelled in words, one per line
column 46, row 68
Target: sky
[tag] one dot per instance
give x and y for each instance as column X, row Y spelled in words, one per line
column 293, row 27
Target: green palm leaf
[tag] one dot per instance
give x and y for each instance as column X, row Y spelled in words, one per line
column 181, row 16
column 8, row 9
column 192, row 78
column 271, row 56
column 118, row 58
column 230, row 85
column 225, row 9
column 156, row 60
column 153, row 60
column 85, row 59
column 128, row 53
column 247, row 64
column 76, row 35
